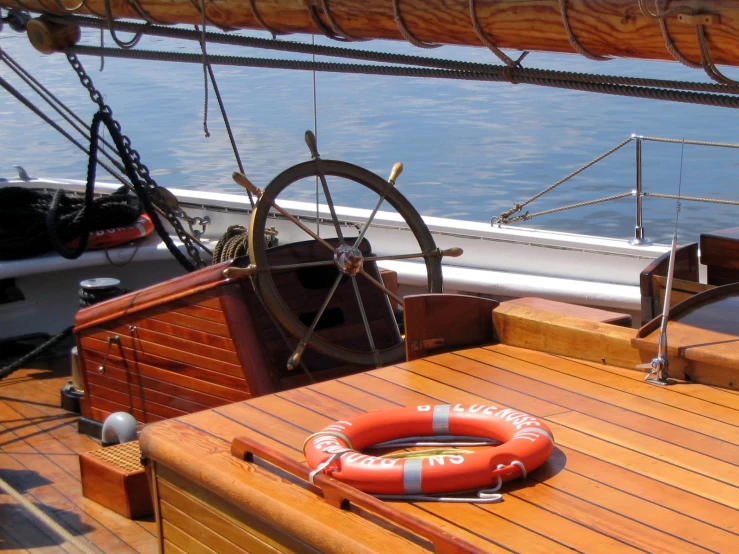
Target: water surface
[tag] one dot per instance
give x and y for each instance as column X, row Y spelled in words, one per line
column 470, row 149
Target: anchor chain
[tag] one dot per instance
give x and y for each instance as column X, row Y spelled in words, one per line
column 161, row 197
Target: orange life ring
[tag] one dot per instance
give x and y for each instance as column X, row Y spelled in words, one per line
column 526, row 444
column 108, row 238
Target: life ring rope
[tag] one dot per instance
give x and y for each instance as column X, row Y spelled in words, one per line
column 526, row 443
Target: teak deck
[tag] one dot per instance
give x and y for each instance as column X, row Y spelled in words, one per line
column 636, row 467
column 39, row 447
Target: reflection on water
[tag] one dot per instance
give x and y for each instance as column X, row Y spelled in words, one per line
column 470, row 149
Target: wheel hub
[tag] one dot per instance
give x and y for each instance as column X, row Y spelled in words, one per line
column 348, row 259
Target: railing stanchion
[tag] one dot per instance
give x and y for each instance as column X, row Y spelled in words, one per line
column 638, row 239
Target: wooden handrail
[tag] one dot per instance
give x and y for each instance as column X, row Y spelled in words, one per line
column 339, row 495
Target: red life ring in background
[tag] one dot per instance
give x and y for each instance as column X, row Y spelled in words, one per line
column 526, row 444
column 108, row 238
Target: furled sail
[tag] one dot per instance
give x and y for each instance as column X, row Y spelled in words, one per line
column 697, row 31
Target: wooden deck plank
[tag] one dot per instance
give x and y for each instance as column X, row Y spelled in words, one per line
column 635, row 467
column 714, row 421
column 548, row 521
column 563, row 502
column 480, row 374
column 701, row 485
column 671, row 453
column 42, row 440
column 656, row 469
column 723, row 397
column 261, row 419
column 585, row 373
column 615, row 500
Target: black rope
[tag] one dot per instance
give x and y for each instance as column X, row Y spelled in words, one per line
column 133, row 176
column 9, row 369
column 27, row 229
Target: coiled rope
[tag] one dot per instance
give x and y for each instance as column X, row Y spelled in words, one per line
column 33, row 222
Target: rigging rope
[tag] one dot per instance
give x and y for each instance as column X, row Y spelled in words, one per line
column 521, row 74
column 503, row 74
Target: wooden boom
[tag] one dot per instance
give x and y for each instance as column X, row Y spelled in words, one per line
column 601, row 27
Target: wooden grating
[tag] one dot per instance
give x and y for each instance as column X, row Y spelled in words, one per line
column 636, row 468
column 39, row 448
column 126, row 456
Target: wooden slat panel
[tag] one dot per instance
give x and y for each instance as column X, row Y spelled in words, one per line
column 132, row 402
column 143, row 321
column 198, row 311
column 193, row 345
column 183, row 541
column 182, row 320
column 196, row 355
column 185, row 399
column 179, row 288
column 103, row 407
column 180, row 366
column 170, row 548
column 145, row 373
column 226, row 522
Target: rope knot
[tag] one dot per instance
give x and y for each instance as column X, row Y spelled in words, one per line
column 508, row 75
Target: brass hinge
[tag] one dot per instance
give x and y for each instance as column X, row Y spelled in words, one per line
column 417, row 345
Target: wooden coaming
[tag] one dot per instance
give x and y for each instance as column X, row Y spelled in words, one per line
column 605, row 28
column 202, row 340
column 652, row 284
column 636, row 467
column 720, row 255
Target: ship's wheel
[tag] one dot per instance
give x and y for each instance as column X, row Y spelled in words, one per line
column 345, row 259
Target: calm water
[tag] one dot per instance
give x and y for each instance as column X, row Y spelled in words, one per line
column 470, row 149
